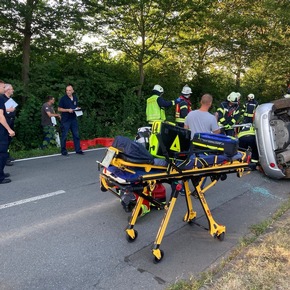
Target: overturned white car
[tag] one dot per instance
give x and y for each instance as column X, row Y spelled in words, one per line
column 272, row 123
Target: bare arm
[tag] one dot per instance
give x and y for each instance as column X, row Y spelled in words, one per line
column 10, row 110
column 217, row 131
column 49, row 114
column 62, row 110
column 5, row 124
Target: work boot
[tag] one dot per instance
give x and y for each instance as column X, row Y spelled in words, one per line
column 9, row 163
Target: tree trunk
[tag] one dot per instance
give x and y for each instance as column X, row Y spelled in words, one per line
column 238, row 79
column 30, row 6
column 26, row 59
column 141, row 79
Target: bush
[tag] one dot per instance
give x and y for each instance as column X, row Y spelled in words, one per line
column 28, row 125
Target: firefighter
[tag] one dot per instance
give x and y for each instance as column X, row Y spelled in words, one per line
column 181, row 111
column 184, row 107
column 247, row 139
column 156, row 105
column 249, row 109
column 228, row 114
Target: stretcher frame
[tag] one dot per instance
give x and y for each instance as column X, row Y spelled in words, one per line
column 172, row 174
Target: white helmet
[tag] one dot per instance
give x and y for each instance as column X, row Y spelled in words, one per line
column 251, row 96
column 287, row 96
column 232, row 97
column 158, row 88
column 238, row 95
column 186, row 91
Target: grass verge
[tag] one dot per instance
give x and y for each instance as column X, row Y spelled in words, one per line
column 260, row 261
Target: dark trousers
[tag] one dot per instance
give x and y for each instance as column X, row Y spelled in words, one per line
column 250, row 141
column 65, row 127
column 3, row 159
column 49, row 136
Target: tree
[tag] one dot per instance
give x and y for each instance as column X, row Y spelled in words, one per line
column 139, row 28
column 36, row 22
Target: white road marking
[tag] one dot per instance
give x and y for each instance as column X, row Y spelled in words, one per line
column 53, row 155
column 3, row 206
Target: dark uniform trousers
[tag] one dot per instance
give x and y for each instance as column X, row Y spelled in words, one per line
column 249, row 141
column 65, row 127
column 3, row 158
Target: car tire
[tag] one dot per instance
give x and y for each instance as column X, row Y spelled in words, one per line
column 281, row 104
column 287, row 173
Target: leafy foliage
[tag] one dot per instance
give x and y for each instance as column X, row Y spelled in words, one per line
column 27, row 124
column 214, row 46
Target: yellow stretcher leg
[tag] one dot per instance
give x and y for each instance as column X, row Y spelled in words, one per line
column 132, row 234
column 190, row 214
column 158, row 254
column 215, row 230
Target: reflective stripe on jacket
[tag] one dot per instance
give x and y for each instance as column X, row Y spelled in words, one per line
column 246, row 131
column 182, row 109
column 250, row 108
column 228, row 115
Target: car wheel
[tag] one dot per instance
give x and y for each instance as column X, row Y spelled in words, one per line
column 287, row 173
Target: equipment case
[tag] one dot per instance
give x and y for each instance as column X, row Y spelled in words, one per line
column 167, row 139
column 226, row 144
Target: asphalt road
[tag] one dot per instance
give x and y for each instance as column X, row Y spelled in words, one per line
column 59, row 231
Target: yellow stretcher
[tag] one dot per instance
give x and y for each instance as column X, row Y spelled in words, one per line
column 120, row 173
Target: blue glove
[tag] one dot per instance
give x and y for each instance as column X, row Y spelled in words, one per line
column 177, row 101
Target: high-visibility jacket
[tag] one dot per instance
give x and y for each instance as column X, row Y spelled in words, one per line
column 153, row 110
column 182, row 109
column 250, row 108
column 228, row 115
column 247, row 139
column 247, row 131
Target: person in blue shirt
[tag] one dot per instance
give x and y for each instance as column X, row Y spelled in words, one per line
column 67, row 106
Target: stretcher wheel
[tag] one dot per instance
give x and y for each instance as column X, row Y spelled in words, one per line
column 103, row 188
column 130, row 239
column 156, row 260
column 221, row 237
column 191, row 222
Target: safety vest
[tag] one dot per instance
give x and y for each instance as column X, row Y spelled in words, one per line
column 184, row 104
column 153, row 111
column 246, row 131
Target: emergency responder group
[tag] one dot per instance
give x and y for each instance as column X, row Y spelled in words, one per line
column 229, row 114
